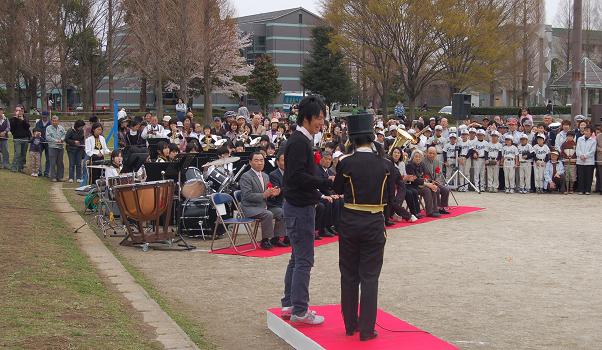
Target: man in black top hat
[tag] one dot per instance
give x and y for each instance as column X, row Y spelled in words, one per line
column 363, row 178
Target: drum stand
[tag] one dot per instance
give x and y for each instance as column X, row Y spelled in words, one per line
column 457, row 173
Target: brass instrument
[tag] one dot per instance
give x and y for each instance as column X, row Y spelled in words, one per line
column 208, row 143
column 402, row 140
column 327, row 137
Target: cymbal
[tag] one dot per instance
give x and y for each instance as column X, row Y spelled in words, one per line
column 97, row 166
column 223, row 161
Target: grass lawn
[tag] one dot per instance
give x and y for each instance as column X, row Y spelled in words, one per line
column 178, row 314
column 50, row 295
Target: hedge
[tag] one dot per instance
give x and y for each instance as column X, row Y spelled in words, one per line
column 538, row 110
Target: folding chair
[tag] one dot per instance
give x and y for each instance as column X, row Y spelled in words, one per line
column 232, row 225
column 241, row 214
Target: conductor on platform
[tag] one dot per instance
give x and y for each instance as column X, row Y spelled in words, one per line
column 301, row 195
column 363, row 178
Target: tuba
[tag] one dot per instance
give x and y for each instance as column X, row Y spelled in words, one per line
column 327, row 137
column 403, row 139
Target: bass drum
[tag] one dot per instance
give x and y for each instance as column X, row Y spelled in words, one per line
column 197, row 218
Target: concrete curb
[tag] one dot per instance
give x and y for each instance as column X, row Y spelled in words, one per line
column 167, row 331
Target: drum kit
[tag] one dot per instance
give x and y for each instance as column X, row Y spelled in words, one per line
column 197, row 215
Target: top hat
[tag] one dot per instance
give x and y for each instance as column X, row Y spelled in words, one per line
column 360, row 124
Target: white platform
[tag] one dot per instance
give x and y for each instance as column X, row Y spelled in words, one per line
column 289, row 334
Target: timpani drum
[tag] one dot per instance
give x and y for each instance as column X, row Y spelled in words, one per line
column 146, row 202
column 123, row 179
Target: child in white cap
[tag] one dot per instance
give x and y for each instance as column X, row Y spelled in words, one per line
column 541, row 151
column 510, row 156
column 494, row 157
column 525, row 151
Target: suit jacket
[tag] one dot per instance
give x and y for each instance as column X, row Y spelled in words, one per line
column 253, row 202
column 319, row 172
column 277, row 180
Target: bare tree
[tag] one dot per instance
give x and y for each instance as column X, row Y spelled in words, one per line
column 11, row 38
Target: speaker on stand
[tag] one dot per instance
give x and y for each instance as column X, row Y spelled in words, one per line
column 461, row 104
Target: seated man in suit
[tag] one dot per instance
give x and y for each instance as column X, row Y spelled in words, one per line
column 434, row 170
column 332, row 202
column 277, row 180
column 256, row 190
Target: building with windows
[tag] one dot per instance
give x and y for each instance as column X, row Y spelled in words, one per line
column 285, row 36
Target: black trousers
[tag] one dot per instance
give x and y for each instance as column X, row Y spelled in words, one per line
column 585, row 178
column 361, row 248
column 394, row 207
column 320, row 213
column 412, row 199
column 332, row 212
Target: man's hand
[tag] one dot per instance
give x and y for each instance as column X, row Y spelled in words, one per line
column 582, row 157
column 76, row 142
column 331, row 178
column 552, row 185
column 328, row 198
column 276, row 191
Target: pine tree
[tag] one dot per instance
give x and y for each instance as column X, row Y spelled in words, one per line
column 325, row 72
column 263, row 82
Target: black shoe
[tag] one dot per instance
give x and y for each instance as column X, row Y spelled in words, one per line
column 389, row 223
column 329, row 231
column 443, row 211
column 350, row 333
column 368, row 336
column 318, row 237
column 265, row 244
column 286, row 241
column 434, row 215
column 333, row 230
column 275, row 242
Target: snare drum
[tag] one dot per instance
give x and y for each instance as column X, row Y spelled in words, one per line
column 218, row 178
column 194, row 186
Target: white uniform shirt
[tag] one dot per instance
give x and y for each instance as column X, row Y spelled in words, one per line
column 480, row 147
column 509, row 153
column 450, row 150
column 541, row 152
column 464, row 147
column 494, row 149
column 524, row 152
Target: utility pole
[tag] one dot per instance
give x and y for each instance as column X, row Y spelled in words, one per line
column 576, row 55
column 110, row 55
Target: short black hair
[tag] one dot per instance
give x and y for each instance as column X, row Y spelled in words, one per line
column 309, row 108
column 254, row 154
column 78, row 124
column 588, row 127
column 222, row 150
column 96, row 125
column 93, row 119
column 174, row 148
column 239, row 144
column 193, row 145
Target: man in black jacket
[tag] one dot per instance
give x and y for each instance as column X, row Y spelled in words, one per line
column 19, row 127
column 300, row 199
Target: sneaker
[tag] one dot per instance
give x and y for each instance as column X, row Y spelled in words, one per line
column 78, row 181
column 287, row 311
column 413, row 218
column 507, row 191
column 53, row 180
column 511, row 190
column 70, row 180
column 34, row 174
column 310, row 318
column 587, row 193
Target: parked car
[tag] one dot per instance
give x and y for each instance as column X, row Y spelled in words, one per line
column 446, row 110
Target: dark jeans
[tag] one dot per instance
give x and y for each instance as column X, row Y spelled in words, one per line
column 46, row 159
column 57, row 167
column 300, row 230
column 4, row 153
column 75, row 162
column 19, row 157
column 585, row 178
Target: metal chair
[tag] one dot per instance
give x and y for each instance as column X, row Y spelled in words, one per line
column 232, row 225
column 240, row 213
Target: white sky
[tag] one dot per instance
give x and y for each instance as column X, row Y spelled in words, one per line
column 251, row 7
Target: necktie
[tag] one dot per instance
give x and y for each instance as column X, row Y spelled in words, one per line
column 261, row 181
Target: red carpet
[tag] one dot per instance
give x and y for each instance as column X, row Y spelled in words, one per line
column 453, row 212
column 276, row 251
column 331, row 334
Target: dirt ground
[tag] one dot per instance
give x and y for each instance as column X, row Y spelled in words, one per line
column 522, row 274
